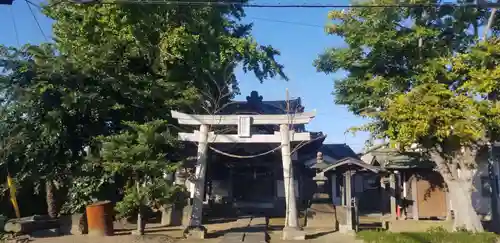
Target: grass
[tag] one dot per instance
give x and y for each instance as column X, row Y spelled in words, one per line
column 432, row 236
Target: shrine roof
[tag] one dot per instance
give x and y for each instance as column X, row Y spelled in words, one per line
column 350, row 163
column 338, row 151
column 331, row 154
column 255, row 104
column 390, row 158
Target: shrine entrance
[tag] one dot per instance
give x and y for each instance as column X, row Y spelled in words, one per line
column 347, row 214
column 282, row 139
column 254, row 184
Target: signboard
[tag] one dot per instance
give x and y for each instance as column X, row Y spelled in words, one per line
column 244, row 123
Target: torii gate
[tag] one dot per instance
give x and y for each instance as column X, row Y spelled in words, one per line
column 203, row 136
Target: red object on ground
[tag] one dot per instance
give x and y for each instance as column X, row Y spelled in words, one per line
column 100, row 219
column 398, row 211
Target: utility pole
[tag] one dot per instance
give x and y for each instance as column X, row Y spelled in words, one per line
column 494, row 187
column 491, row 158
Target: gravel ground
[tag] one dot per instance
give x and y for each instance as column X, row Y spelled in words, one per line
column 157, row 234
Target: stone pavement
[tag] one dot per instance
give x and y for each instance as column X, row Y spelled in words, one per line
column 248, row 230
column 317, row 236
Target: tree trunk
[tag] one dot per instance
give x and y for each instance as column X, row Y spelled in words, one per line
column 465, row 215
column 141, row 224
column 460, row 188
column 50, row 197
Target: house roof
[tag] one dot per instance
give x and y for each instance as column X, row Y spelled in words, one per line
column 390, row 158
column 331, row 154
column 338, row 151
column 393, row 159
column 348, row 162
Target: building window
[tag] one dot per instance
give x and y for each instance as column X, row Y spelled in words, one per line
column 485, row 186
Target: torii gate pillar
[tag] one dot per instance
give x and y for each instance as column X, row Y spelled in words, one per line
column 291, row 231
column 195, row 228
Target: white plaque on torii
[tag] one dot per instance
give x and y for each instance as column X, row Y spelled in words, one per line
column 244, row 123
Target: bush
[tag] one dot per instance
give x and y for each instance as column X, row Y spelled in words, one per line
column 432, row 236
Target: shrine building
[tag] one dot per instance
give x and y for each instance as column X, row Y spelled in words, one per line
column 245, row 159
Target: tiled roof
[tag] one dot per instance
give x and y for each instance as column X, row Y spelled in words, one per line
column 394, row 159
column 338, row 151
column 349, row 161
column 255, row 104
column 335, row 151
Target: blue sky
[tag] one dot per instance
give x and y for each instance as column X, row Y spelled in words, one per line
column 299, row 44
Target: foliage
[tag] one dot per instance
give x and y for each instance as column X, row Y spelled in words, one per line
column 422, row 76
column 112, row 63
column 180, row 49
column 435, row 114
column 41, row 127
column 142, row 154
column 435, row 236
column 92, row 184
column 150, row 196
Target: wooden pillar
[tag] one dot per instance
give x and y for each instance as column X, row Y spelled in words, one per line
column 414, row 196
column 401, row 184
column 333, row 184
column 342, row 191
column 392, row 188
column 199, row 180
column 404, row 179
column 383, row 196
column 348, row 198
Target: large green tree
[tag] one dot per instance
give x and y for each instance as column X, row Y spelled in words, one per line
column 47, row 117
column 185, row 49
column 112, row 63
column 423, row 77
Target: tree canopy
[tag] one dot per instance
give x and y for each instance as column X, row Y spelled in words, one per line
column 111, row 64
column 423, row 76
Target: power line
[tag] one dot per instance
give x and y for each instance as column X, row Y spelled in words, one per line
column 15, row 26
column 36, row 20
column 278, row 5
column 34, row 4
column 286, row 22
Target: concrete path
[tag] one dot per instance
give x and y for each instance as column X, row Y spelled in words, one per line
column 319, row 237
column 248, row 230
